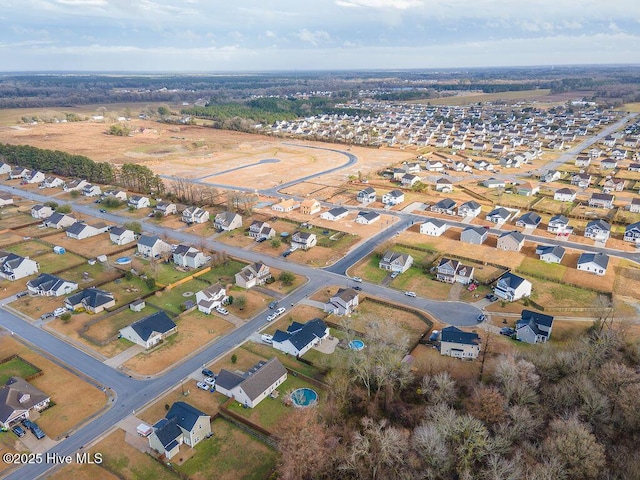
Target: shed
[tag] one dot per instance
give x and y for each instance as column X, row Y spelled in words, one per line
column 59, row 250
column 137, row 305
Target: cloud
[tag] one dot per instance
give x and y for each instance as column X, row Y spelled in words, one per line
column 314, row 38
column 388, row 4
column 90, row 3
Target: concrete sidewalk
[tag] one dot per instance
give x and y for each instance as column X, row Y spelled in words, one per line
column 122, row 357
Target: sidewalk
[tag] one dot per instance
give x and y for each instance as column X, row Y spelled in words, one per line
column 122, row 357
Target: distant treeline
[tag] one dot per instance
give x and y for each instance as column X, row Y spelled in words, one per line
column 131, row 176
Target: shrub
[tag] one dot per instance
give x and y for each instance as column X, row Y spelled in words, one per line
column 234, row 358
column 150, row 283
column 65, row 317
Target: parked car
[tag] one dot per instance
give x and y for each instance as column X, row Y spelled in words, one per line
column 472, row 287
column 357, row 279
column 22, row 294
column 266, row 338
column 271, row 317
column 491, row 297
column 434, row 336
column 45, row 316
column 273, row 305
column 18, row 430
column 410, row 294
column 481, row 318
column 202, row 386
column 394, row 274
column 286, row 253
column 35, row 429
column 222, row 310
column 280, row 311
column 261, row 239
column 508, row 331
column 207, row 373
column 59, row 311
column 210, row 381
column 102, row 210
column 357, row 287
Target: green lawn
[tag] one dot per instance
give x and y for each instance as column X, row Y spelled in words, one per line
column 125, row 290
column 267, row 351
column 407, row 280
column 15, row 368
column 96, row 273
column 171, row 300
column 271, row 410
column 166, row 273
column 225, row 272
column 553, row 271
column 371, row 271
column 31, row 249
column 231, row 452
column 52, row 262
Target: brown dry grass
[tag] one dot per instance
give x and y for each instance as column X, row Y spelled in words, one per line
column 82, row 472
column 204, row 401
column 194, row 331
column 75, row 400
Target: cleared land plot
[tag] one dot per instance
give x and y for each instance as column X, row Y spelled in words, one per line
column 232, row 454
column 551, row 206
column 30, row 249
column 552, row 271
column 171, row 300
column 75, row 399
column 9, row 238
column 35, row 306
column 195, row 330
column 254, row 302
column 89, row 247
column 97, row 273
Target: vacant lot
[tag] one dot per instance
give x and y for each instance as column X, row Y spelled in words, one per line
column 75, row 400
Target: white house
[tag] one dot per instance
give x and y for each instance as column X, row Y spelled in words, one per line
column 394, row 197
column 14, row 267
column 550, row 253
column 75, row 185
column 261, row 230
column 596, row 263
column 59, row 221
column 334, row 214
column 52, row 182
column 343, row 302
column 469, row 209
column 498, row 215
column 5, row 199
column 597, row 230
column 310, row 207
column 47, row 285
column 395, row 262
column 304, row 240
column 41, row 211
column 534, row 327
column 565, row 195
column 286, row 205
column 433, row 227
column 366, row 195
column 139, row 201
column 452, row 271
column 149, row 331
column 183, row 424
column 632, row 233
column 300, row 338
column 367, row 218
column 210, row 298
column 166, row 208
column 458, row 344
column 36, row 177
column 252, row 275
column 115, row 193
column 4, row 168
column 559, row 224
column 121, row 236
column 194, row 215
column 253, row 386
column 152, row 246
column 81, row 230
column 511, row 287
column 90, row 190
column 189, row 257
column 227, row 221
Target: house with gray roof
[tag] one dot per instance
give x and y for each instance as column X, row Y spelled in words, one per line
column 367, row 218
column 395, row 262
column 343, row 302
column 445, row 206
column 81, row 230
column 550, row 253
column 186, row 256
column 529, row 219
column 334, row 214
column 227, row 221
column 59, row 221
column 151, row 330
column 41, row 211
column 474, row 235
column 498, row 215
column 512, row 287
column 152, row 246
column 18, row 400
column 469, row 209
column 394, row 197
column 452, row 271
column 597, row 230
column 14, row 267
column 632, row 233
column 299, row 338
column 183, row 424
column 208, row 299
column 510, row 241
column 121, row 235
column 194, row 215
column 366, row 195
column 253, row 274
column 534, row 327
column 5, row 199
column 47, row 285
column 93, row 300
column 433, row 227
column 459, row 344
column 596, row 263
column 254, row 385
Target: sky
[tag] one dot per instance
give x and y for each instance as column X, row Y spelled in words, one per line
column 273, row 35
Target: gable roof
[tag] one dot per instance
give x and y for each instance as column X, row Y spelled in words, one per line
column 93, row 297
column 168, row 431
column 455, row 335
column 186, row 416
column 47, row 282
column 511, row 280
column 301, row 337
column 148, row 240
column 18, row 394
column 259, row 380
column 600, row 259
column 157, row 322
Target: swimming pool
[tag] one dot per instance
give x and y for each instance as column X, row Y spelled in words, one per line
column 304, row 397
column 123, row 261
column 356, row 344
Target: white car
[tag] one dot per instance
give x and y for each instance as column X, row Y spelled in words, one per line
column 210, row 381
column 410, row 294
column 266, row 338
column 357, row 279
column 202, row 386
column 280, row 311
column 271, row 317
column 59, row 311
column 222, row 310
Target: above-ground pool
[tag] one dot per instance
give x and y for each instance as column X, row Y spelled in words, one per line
column 356, row 344
column 304, row 397
column 123, row 260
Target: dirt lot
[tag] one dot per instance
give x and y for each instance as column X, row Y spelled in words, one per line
column 75, row 400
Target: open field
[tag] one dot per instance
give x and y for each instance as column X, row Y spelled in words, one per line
column 540, row 95
column 75, row 399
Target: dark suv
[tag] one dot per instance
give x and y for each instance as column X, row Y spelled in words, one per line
column 35, row 429
column 207, row 373
column 18, row 430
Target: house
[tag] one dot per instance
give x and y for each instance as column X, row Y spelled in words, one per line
column 260, row 230
column 343, row 302
column 559, row 224
column 483, row 166
column 81, row 230
column 445, row 206
column 474, row 235
column 394, row 197
column 434, row 166
column 408, row 180
column 597, row 230
column 52, row 182
column 75, row 185
column 565, row 195
column 498, row 215
column 444, row 185
column 59, row 221
column 469, row 209
column 14, row 267
column 19, row 172
column 551, row 176
column 367, row 218
column 304, row 240
column 183, row 424
column 227, row 221
column 36, row 177
column 93, row 300
column 152, row 246
column 47, row 285
column 395, row 262
column 433, row 227
column 254, row 274
column 534, row 327
column 494, row 183
column 4, row 168
column 593, row 262
column 90, row 190
column 601, row 200
column 452, row 271
column 510, row 241
column 527, row 189
column 138, row 201
column 121, row 236
column 366, row 195
column 189, row 257
column 299, row 338
column 529, row 219
column 634, row 167
column 612, row 184
column 310, row 207
column 632, row 233
column 149, row 331
column 583, row 161
column 634, row 205
column 115, row 193
column 194, row 215
column 335, row 214
column 210, row 298
column 608, row 164
column 286, row 205
column 253, row 386
column 511, row 287
column 41, row 211
column 18, row 400
column 5, row 199
column 458, row 344
column 166, row 208
column 582, row 180
column 550, row 253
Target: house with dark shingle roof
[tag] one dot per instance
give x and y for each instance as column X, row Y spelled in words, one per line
column 253, row 386
column 593, row 262
column 458, row 344
column 343, row 302
column 93, row 300
column 14, row 267
column 550, row 253
column 18, row 398
column 300, row 338
column 183, row 424
column 534, row 327
column 149, row 331
column 48, row 285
